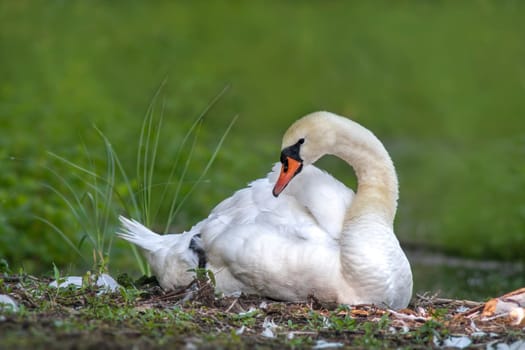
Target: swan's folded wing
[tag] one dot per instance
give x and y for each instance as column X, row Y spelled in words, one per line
column 326, row 198
column 313, row 207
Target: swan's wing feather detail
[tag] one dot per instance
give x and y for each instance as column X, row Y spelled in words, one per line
column 170, row 256
column 295, row 213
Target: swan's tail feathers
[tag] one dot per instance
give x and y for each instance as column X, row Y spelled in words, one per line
column 138, row 234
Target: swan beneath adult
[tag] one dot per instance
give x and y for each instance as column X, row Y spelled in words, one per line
column 298, row 232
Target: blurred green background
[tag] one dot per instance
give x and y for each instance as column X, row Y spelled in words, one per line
column 442, row 83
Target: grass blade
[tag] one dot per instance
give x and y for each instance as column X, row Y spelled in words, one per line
column 62, row 234
column 206, row 168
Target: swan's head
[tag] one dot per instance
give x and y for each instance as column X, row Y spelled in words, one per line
column 307, row 140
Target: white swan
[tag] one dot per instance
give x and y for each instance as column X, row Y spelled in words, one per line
column 314, row 239
column 174, row 257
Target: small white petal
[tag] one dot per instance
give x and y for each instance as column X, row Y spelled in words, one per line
column 268, row 333
column 7, row 303
column 68, row 281
column 240, row 330
column 107, row 282
column 323, row 344
column 457, row 342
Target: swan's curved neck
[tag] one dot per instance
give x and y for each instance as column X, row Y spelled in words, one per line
column 377, row 185
column 368, row 246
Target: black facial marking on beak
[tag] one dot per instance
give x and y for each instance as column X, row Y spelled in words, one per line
column 292, row 164
column 292, row 152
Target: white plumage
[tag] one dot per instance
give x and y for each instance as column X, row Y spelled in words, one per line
column 316, row 238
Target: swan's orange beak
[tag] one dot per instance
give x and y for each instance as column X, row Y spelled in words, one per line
column 288, row 171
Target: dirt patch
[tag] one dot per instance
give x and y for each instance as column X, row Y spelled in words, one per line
column 194, row 317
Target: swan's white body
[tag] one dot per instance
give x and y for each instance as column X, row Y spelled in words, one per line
column 173, row 262
column 316, row 238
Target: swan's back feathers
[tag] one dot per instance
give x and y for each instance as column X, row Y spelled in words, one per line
column 297, row 212
column 324, row 196
column 254, row 231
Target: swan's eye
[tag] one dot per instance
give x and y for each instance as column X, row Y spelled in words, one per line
column 285, row 165
column 284, row 161
column 301, row 141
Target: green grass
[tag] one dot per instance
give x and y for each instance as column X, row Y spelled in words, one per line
column 441, row 83
column 96, row 205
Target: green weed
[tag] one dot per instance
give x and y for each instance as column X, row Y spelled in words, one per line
column 97, row 205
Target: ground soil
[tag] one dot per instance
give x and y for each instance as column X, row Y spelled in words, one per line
column 196, row 318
